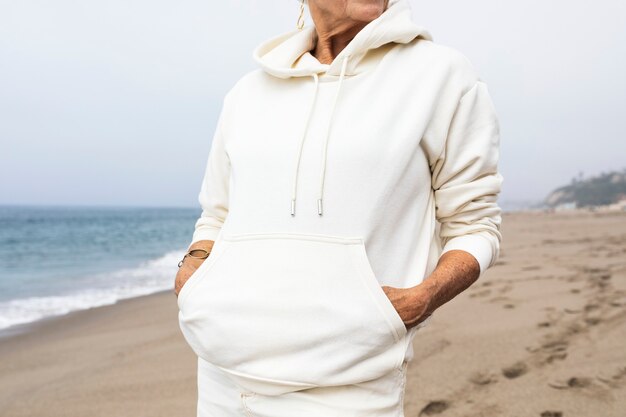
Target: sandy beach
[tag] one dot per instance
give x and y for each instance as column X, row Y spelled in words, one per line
column 542, row 333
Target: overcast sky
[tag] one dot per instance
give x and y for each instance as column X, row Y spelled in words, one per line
column 115, row 102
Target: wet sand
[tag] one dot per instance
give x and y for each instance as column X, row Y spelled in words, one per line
column 542, row 333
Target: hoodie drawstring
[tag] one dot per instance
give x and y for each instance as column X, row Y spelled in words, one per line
column 328, row 128
column 332, row 113
column 306, row 127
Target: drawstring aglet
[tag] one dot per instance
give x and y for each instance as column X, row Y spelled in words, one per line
column 293, row 206
column 319, row 206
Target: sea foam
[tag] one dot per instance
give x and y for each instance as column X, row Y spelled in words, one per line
column 150, row 277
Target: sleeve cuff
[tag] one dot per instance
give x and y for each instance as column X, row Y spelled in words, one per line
column 205, row 233
column 476, row 245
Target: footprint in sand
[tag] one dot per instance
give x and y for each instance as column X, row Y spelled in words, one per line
column 573, row 382
column 552, row 343
column 555, row 345
column 482, row 293
column 559, row 356
column 615, row 380
column 531, row 268
column 482, row 378
column 553, row 349
column 552, row 319
column 552, row 414
column 598, row 277
column 592, row 321
column 515, row 370
column 434, row 407
column 572, row 278
column 505, row 288
column 508, row 303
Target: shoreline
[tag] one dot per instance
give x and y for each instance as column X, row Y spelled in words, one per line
column 40, row 324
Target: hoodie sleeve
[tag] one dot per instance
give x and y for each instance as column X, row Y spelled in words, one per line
column 214, row 190
column 466, row 180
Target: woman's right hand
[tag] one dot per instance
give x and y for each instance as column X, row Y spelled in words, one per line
column 190, row 265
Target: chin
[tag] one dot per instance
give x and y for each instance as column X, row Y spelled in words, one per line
column 365, row 10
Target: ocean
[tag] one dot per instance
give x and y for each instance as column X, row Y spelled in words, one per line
column 54, row 260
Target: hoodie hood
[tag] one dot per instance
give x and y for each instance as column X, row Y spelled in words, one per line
column 289, row 55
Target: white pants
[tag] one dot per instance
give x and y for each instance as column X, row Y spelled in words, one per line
column 220, row 396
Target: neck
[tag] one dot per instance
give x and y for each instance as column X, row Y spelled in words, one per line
column 336, row 26
column 332, row 39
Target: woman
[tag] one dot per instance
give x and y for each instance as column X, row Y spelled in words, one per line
column 351, row 190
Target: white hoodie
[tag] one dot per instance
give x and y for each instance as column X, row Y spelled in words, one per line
column 325, row 182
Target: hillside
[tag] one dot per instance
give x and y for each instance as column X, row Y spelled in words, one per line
column 604, row 189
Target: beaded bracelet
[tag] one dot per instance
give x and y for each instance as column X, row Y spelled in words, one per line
column 190, row 254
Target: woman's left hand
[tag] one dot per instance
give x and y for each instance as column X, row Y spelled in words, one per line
column 412, row 304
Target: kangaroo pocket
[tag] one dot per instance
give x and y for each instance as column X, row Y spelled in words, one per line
column 281, row 312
